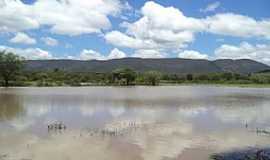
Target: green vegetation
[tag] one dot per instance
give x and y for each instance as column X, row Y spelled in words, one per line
column 119, row 77
column 126, row 77
column 10, row 65
column 123, row 76
column 151, row 78
column 12, row 74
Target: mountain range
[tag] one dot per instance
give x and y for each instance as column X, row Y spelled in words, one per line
column 164, row 65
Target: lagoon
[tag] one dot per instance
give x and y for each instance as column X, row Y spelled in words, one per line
column 134, row 123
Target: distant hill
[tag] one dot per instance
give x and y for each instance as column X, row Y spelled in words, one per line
column 165, row 65
column 241, row 65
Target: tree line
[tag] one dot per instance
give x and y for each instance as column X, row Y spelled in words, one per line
column 12, row 74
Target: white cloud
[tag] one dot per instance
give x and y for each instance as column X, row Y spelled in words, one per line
column 168, row 18
column 73, row 17
column 159, row 28
column 211, row 7
column 259, row 52
column 91, row 54
column 190, row 54
column 88, row 54
column 168, row 29
column 148, row 53
column 116, row 54
column 71, row 57
column 15, row 16
column 245, row 50
column 122, row 40
column 237, row 25
column 22, row 38
column 49, row 41
column 29, row 53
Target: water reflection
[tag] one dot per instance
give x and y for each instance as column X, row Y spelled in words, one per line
column 132, row 123
column 10, row 107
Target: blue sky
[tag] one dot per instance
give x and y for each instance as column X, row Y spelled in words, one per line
column 107, row 29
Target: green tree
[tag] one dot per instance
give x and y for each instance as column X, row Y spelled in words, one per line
column 202, row 77
column 10, row 65
column 126, row 74
column 227, row 76
column 189, row 77
column 152, row 77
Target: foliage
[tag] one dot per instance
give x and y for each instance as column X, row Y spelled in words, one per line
column 261, row 78
column 189, row 77
column 152, row 77
column 10, row 65
column 126, row 76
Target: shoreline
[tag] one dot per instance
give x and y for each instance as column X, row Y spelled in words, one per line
column 222, row 85
column 160, row 85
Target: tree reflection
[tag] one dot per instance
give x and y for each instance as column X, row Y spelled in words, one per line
column 10, row 107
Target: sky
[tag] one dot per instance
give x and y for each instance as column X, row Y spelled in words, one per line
column 111, row 29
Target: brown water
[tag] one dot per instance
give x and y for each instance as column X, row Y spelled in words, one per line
column 131, row 123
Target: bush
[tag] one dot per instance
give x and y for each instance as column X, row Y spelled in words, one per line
column 189, row 77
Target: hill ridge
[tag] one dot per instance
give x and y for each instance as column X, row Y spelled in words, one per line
column 166, row 65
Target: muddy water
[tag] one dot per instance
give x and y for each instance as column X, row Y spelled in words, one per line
column 131, row 123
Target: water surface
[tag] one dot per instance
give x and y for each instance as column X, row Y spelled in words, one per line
column 132, row 123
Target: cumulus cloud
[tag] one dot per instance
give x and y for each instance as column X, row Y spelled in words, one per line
column 259, row 52
column 245, row 50
column 116, row 54
column 211, row 7
column 148, row 53
column 15, row 16
column 22, row 38
column 159, row 28
column 29, row 53
column 91, row 54
column 49, row 41
column 167, row 28
column 231, row 24
column 190, row 54
column 86, row 54
column 122, row 40
column 73, row 17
